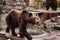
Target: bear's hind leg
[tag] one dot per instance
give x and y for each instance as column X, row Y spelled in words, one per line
column 13, row 32
column 7, row 29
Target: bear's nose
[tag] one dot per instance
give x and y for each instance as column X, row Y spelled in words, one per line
column 33, row 19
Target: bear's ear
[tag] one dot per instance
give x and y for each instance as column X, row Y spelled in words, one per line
column 30, row 14
column 24, row 11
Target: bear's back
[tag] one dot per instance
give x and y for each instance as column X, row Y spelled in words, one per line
column 14, row 11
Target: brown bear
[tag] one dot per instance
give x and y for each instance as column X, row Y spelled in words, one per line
column 16, row 18
column 51, row 3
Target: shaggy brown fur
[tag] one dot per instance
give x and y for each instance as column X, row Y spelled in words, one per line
column 14, row 20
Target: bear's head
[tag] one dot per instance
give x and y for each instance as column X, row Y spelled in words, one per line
column 30, row 17
column 33, row 18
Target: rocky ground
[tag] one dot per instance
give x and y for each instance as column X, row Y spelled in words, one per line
column 53, row 35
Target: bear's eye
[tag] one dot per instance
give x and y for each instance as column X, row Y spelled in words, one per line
column 30, row 14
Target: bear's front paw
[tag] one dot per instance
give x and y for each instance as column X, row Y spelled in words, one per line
column 18, row 35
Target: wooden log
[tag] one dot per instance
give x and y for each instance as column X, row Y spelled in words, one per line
column 44, row 11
